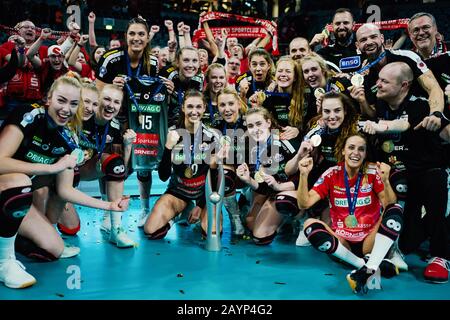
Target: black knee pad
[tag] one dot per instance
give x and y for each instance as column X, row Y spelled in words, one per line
column 30, row 250
column 230, row 182
column 320, row 238
column 286, row 205
column 392, row 221
column 398, row 182
column 144, row 176
column 14, row 205
column 114, row 168
column 160, row 233
column 265, row 240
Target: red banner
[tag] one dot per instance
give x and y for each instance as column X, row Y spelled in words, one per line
column 267, row 25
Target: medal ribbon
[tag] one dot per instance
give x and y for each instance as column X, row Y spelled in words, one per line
column 370, row 65
column 352, row 204
column 100, row 145
column 258, row 153
column 64, row 132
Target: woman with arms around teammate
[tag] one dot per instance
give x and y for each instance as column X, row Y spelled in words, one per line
column 36, row 147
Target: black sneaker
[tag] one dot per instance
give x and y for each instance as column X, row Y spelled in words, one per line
column 387, row 268
column 364, row 279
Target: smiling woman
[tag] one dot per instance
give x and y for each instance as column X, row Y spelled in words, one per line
column 357, row 190
column 37, row 169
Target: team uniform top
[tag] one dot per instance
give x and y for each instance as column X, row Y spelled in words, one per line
column 41, row 143
column 92, row 136
column 236, row 134
column 180, row 87
column 418, row 149
column 278, row 105
column 254, row 86
column 416, row 64
column 331, row 184
column 273, row 158
column 345, row 57
column 115, row 63
column 188, row 176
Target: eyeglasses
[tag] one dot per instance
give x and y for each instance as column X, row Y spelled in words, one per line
column 425, row 28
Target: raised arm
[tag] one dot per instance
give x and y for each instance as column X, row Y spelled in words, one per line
column 306, row 199
column 92, row 39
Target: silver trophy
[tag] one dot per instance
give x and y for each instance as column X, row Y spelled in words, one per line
column 214, row 206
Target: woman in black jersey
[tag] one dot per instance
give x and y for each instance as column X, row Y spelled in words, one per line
column 286, row 100
column 265, row 173
column 232, row 126
column 216, row 81
column 37, row 150
column 318, row 80
column 107, row 154
column 336, row 121
column 258, row 78
column 182, row 75
column 69, row 221
column 121, row 66
column 187, row 157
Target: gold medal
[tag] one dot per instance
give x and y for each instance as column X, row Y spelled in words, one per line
column 259, row 176
column 357, row 80
column 319, row 92
column 387, row 146
column 88, row 154
column 351, row 221
column 188, row 172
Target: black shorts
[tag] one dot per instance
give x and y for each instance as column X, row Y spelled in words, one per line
column 356, row 248
column 181, row 196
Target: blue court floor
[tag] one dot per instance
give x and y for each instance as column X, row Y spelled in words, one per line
column 179, row 268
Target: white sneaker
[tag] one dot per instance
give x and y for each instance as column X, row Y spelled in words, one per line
column 69, row 252
column 120, row 238
column 13, row 274
column 142, row 218
column 302, row 240
column 106, row 223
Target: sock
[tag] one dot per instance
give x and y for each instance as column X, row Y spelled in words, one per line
column 116, row 219
column 346, row 255
column 145, row 204
column 380, row 249
column 7, row 248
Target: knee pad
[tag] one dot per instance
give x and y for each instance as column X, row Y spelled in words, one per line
column 398, row 182
column 160, row 233
column 392, row 221
column 114, row 168
column 30, row 250
column 144, row 176
column 286, row 205
column 265, row 240
column 14, row 205
column 320, row 238
column 68, row 231
column 230, row 182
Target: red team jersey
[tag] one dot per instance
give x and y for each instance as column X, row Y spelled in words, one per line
column 331, row 184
